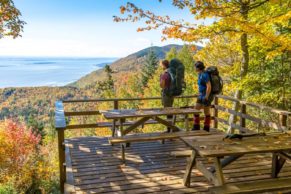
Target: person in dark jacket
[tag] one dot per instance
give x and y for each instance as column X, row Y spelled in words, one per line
column 165, row 83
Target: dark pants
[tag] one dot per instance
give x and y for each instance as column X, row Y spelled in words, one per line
column 200, row 100
column 167, row 101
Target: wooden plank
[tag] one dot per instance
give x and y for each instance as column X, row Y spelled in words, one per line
column 116, row 104
column 135, row 125
column 207, row 174
column 277, row 164
column 233, row 125
column 156, row 136
column 262, row 122
column 215, row 124
column 151, row 169
column 110, row 124
column 69, row 186
column 123, row 99
column 269, row 185
column 228, row 98
column 166, row 123
column 184, row 153
column 283, row 120
column 60, row 122
column 284, row 155
column 226, row 161
column 246, row 146
column 266, row 108
column 262, row 107
column 218, row 171
column 243, row 120
column 132, row 113
column 82, row 113
column 190, row 165
column 61, row 150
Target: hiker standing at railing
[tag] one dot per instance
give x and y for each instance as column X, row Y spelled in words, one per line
column 165, row 83
column 204, row 98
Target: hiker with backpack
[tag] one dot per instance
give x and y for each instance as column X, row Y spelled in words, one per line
column 209, row 84
column 171, row 82
column 165, row 84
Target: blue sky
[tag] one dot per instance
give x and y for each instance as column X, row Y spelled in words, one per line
column 83, row 28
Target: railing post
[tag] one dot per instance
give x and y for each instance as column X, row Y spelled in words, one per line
column 60, row 125
column 242, row 119
column 283, row 120
column 115, row 104
column 61, row 149
column 215, row 124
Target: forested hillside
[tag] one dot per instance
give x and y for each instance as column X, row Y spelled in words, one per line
column 131, row 63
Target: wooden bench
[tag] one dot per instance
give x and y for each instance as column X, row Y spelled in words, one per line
column 127, row 123
column 151, row 137
column 277, row 184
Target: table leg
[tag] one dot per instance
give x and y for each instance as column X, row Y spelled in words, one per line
column 277, row 163
column 224, row 162
column 219, row 173
column 190, row 165
column 167, row 124
column 121, row 133
column 123, row 153
column 186, row 122
column 114, row 127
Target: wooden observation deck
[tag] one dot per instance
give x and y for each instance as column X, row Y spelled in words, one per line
column 92, row 165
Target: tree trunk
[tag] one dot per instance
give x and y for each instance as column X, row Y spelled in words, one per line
column 244, row 64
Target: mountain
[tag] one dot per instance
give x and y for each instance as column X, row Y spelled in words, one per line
column 131, row 63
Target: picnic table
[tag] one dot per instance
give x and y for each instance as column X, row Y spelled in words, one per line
column 143, row 115
column 225, row 151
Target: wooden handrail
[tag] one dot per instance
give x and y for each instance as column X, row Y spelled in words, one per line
column 60, row 125
column 122, row 99
column 261, row 107
column 60, row 121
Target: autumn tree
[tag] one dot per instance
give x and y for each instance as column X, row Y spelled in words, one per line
column 10, row 22
column 237, row 18
column 149, row 68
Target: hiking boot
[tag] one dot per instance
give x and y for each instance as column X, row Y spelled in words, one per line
column 196, row 127
column 206, row 128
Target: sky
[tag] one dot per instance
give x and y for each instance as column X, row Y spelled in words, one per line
column 84, row 28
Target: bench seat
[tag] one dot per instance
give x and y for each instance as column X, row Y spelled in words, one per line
column 268, row 185
column 154, row 136
column 151, row 137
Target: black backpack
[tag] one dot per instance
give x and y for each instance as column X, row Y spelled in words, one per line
column 177, row 72
column 215, row 79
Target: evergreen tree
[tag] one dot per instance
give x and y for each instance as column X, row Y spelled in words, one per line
column 149, row 68
column 171, row 54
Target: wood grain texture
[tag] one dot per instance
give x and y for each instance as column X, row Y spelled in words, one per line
column 150, row 168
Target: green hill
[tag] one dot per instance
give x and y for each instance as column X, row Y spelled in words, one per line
column 130, row 63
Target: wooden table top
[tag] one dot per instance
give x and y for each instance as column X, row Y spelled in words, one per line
column 133, row 113
column 215, row 146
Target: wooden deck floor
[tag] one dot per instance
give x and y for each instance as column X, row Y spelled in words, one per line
column 97, row 168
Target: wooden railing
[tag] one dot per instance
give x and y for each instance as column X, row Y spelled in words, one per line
column 61, row 114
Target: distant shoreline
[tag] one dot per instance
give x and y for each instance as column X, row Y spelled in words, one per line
column 23, row 72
